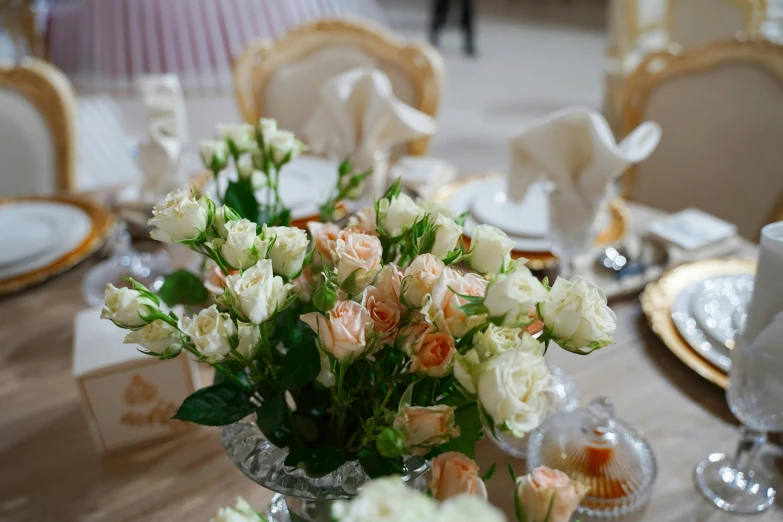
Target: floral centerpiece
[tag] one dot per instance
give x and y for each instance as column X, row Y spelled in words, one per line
column 367, row 341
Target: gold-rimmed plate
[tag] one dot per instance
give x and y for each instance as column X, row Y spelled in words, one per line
column 100, row 226
column 616, row 228
column 659, row 296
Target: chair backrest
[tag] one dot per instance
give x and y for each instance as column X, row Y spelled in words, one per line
column 37, row 129
column 282, row 80
column 721, row 110
column 697, row 22
column 630, row 21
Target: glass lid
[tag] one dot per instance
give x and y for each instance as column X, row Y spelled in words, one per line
column 605, row 454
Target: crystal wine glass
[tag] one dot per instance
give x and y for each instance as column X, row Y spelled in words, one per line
column 736, row 484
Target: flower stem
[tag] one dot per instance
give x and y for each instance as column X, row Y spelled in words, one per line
column 216, row 176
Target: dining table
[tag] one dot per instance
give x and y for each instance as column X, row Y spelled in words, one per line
column 50, row 469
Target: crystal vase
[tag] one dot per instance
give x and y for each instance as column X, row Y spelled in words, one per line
column 299, row 497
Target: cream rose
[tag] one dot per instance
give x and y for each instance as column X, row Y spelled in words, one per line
column 127, row 307
column 389, row 283
column 288, row 250
column 359, row 256
column 498, row 339
column 420, row 278
column 180, row 217
column 490, row 249
column 454, row 474
column 577, row 315
column 447, row 235
column 283, row 146
column 249, row 173
column 468, row 508
column 257, row 293
column 241, row 248
column 433, row 355
column 384, row 312
column 325, row 239
column 158, row 337
column 385, row 500
column 343, row 331
column 398, row 215
column 209, row 332
column 435, row 207
column 267, row 126
column 214, row 154
column 426, row 426
column 442, row 306
column 514, row 296
column 537, row 489
column 249, row 336
column 514, row 389
column 242, row 136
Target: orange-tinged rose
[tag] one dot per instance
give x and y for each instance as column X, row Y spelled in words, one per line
column 454, row 474
column 360, row 255
column 434, row 355
column 325, row 238
column 384, row 312
column 442, row 306
column 343, row 331
column 537, row 489
column 426, row 426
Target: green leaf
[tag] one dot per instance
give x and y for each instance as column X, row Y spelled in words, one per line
column 183, row 287
column 376, row 465
column 512, row 472
column 469, row 422
column 216, row 405
column 549, row 510
column 273, row 418
column 489, row 473
column 407, row 396
column 240, row 197
column 393, row 191
column 301, row 364
column 315, row 462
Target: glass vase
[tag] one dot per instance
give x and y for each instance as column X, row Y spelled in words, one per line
column 299, row 497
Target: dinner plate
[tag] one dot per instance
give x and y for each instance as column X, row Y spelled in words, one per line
column 720, row 307
column 46, row 236
column 693, row 333
column 488, row 203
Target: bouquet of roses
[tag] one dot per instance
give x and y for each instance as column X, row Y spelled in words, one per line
column 375, row 339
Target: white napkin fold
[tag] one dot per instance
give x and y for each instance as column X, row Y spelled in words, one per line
column 767, row 299
column 576, row 150
column 358, row 115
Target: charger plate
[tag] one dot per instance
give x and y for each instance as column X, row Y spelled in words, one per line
column 99, row 227
column 659, row 296
column 618, row 221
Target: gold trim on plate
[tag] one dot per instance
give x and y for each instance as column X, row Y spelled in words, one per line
column 657, row 300
column 103, row 223
column 619, row 222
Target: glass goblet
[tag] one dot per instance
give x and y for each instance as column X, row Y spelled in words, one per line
column 737, row 484
column 571, row 227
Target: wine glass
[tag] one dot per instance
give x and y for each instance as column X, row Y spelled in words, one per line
column 736, row 484
column 572, row 228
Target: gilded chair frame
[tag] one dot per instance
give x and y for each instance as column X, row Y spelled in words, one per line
column 755, row 13
column 663, row 65
column 419, row 61
column 50, row 91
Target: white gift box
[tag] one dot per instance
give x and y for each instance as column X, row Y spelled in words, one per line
column 128, row 397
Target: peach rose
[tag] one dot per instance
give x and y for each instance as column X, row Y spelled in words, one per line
column 420, row 278
column 537, row 488
column 325, row 239
column 454, row 474
column 434, row 355
column 384, row 312
column 343, row 331
column 426, row 426
column 388, row 282
column 442, row 306
column 364, row 219
column 411, row 336
column 358, row 254
column 304, row 284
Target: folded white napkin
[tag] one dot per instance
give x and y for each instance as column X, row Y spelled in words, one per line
column 358, row 115
column 767, row 300
column 576, row 150
column 160, row 153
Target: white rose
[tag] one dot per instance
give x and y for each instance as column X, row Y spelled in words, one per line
column 214, row 154
column 180, row 217
column 247, row 171
column 514, row 296
column 446, row 236
column 420, row 278
column 257, row 292
column 282, row 144
column 576, row 313
column 209, row 331
column 242, row 248
column 126, row 306
column 513, row 388
column 242, row 136
column 466, row 368
column 495, row 340
column 222, row 216
column 157, row 337
column 249, row 335
column 490, row 249
column 385, row 500
column 398, row 215
column 468, row 508
column 267, row 126
column 288, row 250
column 358, row 256
column 435, row 207
column 241, row 512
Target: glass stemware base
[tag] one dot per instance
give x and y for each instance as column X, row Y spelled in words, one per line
column 732, row 489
